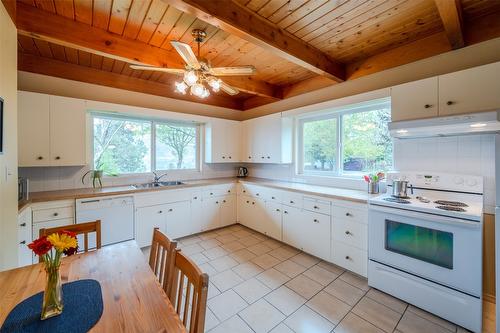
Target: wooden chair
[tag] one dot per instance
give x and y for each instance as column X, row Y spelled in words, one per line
column 188, row 293
column 79, row 229
column 161, row 258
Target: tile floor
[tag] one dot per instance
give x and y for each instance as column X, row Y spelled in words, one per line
column 258, row 284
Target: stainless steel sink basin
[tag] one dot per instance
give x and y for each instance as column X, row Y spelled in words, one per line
column 159, row 184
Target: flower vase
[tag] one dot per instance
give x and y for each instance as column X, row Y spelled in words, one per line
column 52, row 296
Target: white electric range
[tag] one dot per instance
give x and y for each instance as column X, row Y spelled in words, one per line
column 427, row 248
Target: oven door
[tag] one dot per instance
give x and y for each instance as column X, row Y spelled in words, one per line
column 441, row 249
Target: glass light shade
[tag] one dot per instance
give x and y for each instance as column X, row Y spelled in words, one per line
column 190, row 77
column 205, row 94
column 197, row 89
column 181, row 87
column 214, row 83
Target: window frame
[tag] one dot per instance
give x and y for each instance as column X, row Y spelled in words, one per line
column 153, row 121
column 337, row 114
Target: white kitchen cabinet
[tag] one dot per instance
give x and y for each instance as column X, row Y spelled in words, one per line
column 33, row 128
column 178, row 219
column 293, row 227
column 415, row 100
column 316, row 231
column 52, row 130
column 471, row 90
column 24, row 237
column 197, row 216
column 222, row 141
column 272, row 222
column 267, row 139
column 146, row 219
column 211, row 213
column 228, row 210
column 350, row 257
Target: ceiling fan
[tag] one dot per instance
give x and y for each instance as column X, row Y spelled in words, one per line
column 198, row 71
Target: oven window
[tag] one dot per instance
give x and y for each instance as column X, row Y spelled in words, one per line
column 429, row 245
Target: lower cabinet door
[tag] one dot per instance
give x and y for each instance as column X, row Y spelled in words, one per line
column 273, row 220
column 178, row 216
column 293, row 228
column 316, row 234
column 350, row 257
column 146, row 219
column 197, row 217
column 228, row 210
column 210, row 210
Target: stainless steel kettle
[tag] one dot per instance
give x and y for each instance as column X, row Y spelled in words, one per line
column 242, row 172
column 400, row 188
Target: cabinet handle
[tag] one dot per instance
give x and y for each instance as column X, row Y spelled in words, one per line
column 56, row 214
column 285, row 212
column 347, row 232
column 347, row 258
column 224, row 201
column 315, row 221
column 427, row 106
column 171, row 210
column 253, row 203
column 216, row 202
column 228, row 191
column 250, row 157
column 244, row 191
column 316, row 207
column 450, row 103
column 273, row 198
column 58, row 157
column 257, row 194
column 348, row 214
column 211, row 193
column 291, row 201
column 229, row 157
column 39, row 158
column 277, row 210
column 195, row 198
column 223, row 157
column 22, row 242
column 268, row 157
column 248, row 201
column 22, row 225
column 160, row 212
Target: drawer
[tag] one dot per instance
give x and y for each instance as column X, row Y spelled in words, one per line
column 161, row 197
column 292, row 199
column 272, row 195
column 50, row 224
column 219, row 190
column 350, row 232
column 55, row 213
column 350, row 257
column 350, row 213
column 316, row 205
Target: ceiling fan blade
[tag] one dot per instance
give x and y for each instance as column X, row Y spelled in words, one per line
column 232, row 71
column 186, row 53
column 158, row 69
column 228, row 89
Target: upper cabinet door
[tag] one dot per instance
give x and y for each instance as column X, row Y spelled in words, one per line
column 33, row 118
column 222, row 141
column 67, row 131
column 471, row 90
column 415, row 100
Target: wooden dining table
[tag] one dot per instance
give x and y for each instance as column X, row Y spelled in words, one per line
column 133, row 299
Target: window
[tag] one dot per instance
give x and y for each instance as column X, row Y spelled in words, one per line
column 124, row 145
column 348, row 142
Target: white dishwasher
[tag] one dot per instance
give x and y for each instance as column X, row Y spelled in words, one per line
column 116, row 214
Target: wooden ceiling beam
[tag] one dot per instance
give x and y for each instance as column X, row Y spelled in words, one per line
column 57, row 29
column 242, row 22
column 51, row 67
column 450, row 12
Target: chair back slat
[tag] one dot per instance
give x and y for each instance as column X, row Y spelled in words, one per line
column 161, row 258
column 79, row 229
column 190, row 300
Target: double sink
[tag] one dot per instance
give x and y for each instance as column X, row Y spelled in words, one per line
column 157, row 184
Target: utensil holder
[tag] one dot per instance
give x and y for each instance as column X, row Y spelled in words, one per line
column 373, row 187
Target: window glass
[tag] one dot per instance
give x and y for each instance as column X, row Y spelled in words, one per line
column 176, row 146
column 122, row 146
column 320, row 146
column 366, row 142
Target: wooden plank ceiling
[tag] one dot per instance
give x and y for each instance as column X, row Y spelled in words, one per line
column 351, row 33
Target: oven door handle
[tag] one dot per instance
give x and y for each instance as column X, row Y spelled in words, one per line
column 427, row 216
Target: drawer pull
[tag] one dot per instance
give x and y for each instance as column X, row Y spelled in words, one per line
column 273, row 198
column 253, row 203
column 22, row 224
column 58, row 157
column 195, row 198
column 224, row 201
column 22, row 242
column 277, row 210
column 244, row 191
column 160, row 212
column 39, row 158
column 427, row 106
column 450, row 103
column 347, row 232
column 316, row 221
column 291, row 201
column 171, row 210
column 347, row 258
column 229, row 157
column 316, row 207
column 348, row 214
column 228, row 191
column 248, row 201
column 285, row 212
column 223, row 157
column 216, row 202
column 211, row 193
column 257, row 194
column 56, row 214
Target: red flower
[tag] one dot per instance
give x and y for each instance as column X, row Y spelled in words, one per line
column 71, row 251
column 40, row 246
column 69, row 233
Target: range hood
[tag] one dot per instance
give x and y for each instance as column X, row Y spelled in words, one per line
column 476, row 123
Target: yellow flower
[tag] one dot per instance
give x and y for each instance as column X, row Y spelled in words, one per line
column 62, row 241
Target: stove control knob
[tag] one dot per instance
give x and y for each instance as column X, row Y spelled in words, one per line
column 458, row 180
column 471, row 182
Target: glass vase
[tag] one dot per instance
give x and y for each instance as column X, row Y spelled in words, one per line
column 52, row 296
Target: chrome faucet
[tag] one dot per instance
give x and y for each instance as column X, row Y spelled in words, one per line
column 156, row 179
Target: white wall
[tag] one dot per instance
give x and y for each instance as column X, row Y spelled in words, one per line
column 8, row 160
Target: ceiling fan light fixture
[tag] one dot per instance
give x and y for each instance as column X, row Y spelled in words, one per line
column 190, row 77
column 214, row 84
column 197, row 89
column 205, row 93
column 181, row 87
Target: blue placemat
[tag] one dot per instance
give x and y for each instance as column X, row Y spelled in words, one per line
column 82, row 309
